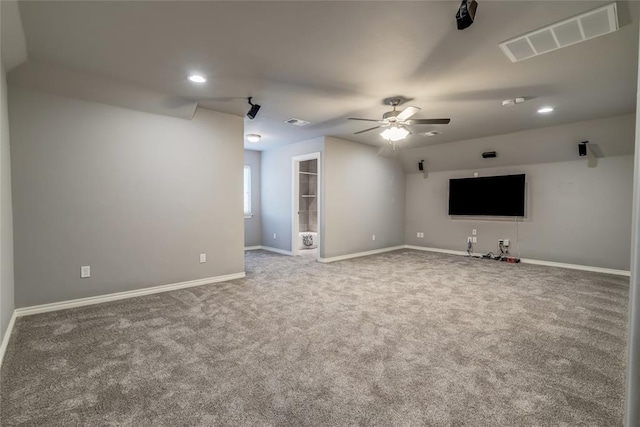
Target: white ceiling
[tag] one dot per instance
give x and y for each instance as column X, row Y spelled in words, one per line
column 326, row 61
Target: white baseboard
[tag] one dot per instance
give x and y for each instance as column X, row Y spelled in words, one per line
column 7, row 335
column 276, row 250
column 442, row 251
column 535, row 261
column 252, row 248
column 44, row 308
column 577, row 267
column 360, row 254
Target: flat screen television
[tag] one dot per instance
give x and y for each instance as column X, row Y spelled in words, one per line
column 487, row 196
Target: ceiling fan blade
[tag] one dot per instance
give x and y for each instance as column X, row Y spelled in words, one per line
column 407, row 112
column 366, row 130
column 428, row 122
column 363, row 120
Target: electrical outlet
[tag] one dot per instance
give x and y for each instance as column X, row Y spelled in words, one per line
column 274, row 236
column 203, row 258
column 469, row 239
column 474, row 231
column 418, row 234
column 475, row 239
column 421, row 235
column 373, row 237
column 85, row 271
column 506, row 242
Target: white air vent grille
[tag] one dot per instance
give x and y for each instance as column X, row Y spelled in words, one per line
column 597, row 22
column 297, row 122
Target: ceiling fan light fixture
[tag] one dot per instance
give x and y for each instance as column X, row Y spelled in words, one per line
column 394, row 133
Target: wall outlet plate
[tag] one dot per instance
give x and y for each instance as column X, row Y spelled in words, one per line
column 474, row 231
column 203, row 258
column 85, row 271
column 475, row 239
column 373, row 237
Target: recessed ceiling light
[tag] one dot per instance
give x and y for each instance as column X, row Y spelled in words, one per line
column 545, row 110
column 197, row 78
column 253, row 137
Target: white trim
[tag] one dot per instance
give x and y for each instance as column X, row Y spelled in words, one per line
column 247, row 193
column 535, row 262
column 63, row 305
column 7, row 335
column 252, row 248
column 276, row 250
column 295, row 185
column 361, row 254
column 442, row 251
column 577, row 267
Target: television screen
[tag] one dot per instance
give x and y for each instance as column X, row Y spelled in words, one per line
column 487, row 196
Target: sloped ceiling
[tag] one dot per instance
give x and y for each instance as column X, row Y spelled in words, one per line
column 326, row 61
column 13, row 41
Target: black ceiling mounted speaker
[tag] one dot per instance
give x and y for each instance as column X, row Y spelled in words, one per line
column 466, row 14
column 254, row 109
column 489, row 154
column 582, row 148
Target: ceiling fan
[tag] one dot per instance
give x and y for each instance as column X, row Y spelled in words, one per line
column 397, row 122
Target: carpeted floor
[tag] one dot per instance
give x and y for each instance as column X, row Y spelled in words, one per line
column 404, row 338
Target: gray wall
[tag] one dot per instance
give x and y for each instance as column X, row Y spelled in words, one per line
column 632, row 390
column 276, row 190
column 6, row 225
column 134, row 195
column 613, row 135
column 575, row 214
column 364, row 195
column 253, row 225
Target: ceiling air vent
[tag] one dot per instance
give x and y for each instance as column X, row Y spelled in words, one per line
column 432, row 133
column 297, row 122
column 594, row 23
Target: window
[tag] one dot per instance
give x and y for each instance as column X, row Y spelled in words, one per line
column 247, row 191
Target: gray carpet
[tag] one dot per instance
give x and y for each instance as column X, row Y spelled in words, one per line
column 404, row 338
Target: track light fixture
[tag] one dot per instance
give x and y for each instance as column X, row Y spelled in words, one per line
column 254, row 109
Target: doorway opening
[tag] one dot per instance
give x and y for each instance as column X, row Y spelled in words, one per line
column 306, row 206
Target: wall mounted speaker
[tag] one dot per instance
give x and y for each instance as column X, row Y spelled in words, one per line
column 466, row 14
column 254, row 109
column 582, row 148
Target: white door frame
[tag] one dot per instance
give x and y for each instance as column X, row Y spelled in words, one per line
column 295, row 223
